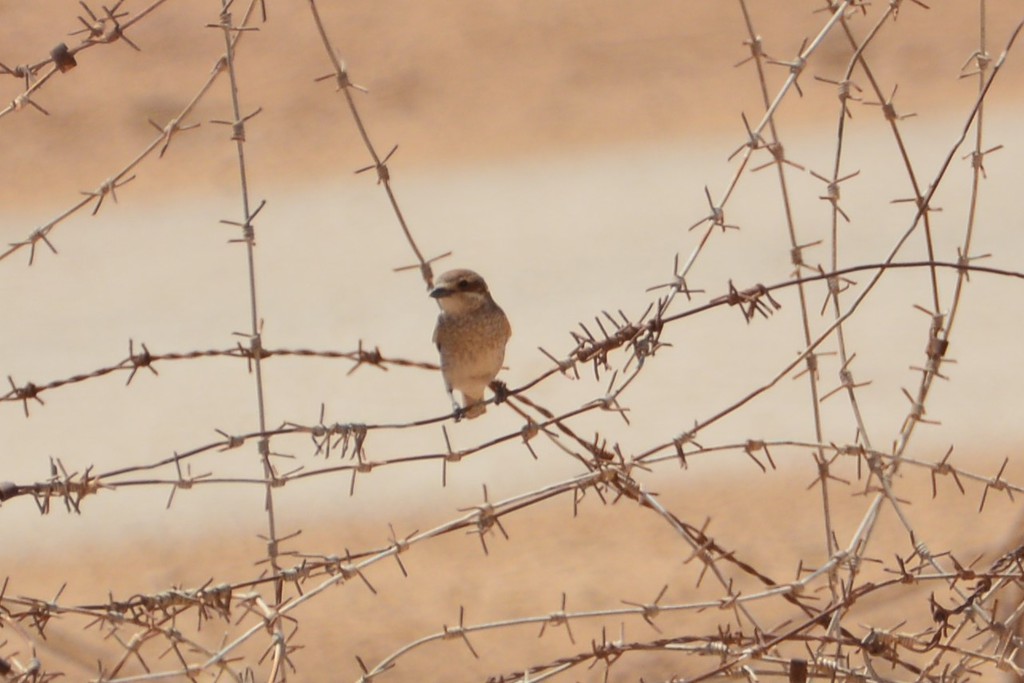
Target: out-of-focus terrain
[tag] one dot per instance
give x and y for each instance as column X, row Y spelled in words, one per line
column 560, row 148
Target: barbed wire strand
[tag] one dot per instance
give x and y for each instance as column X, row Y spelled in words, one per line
column 238, row 135
column 345, row 85
column 118, row 179
column 743, row 644
column 776, row 148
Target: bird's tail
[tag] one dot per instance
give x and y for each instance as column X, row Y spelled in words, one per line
column 474, row 406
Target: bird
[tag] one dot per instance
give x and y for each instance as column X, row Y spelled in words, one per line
column 471, row 334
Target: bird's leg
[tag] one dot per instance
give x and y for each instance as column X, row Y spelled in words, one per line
column 458, row 412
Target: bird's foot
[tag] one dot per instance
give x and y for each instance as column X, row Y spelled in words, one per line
column 500, row 391
column 458, row 412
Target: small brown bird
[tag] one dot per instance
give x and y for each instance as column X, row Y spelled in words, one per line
column 471, row 334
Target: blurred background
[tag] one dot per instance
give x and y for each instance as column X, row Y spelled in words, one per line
column 563, row 150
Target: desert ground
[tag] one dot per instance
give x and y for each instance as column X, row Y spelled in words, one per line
column 563, row 150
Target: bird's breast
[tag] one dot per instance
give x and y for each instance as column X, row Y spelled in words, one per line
column 472, row 343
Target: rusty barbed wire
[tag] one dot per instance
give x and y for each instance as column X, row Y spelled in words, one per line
column 219, row 601
column 110, row 185
column 938, row 337
column 145, row 359
column 955, row 636
column 642, row 337
column 100, row 28
column 776, row 148
column 230, row 30
column 380, row 163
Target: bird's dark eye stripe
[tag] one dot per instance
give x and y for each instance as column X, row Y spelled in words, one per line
column 463, row 284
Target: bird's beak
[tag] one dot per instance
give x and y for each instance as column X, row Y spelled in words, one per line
column 440, row 292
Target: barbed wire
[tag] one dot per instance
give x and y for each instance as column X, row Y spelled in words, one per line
column 820, row 630
column 108, row 24
column 100, row 28
column 640, row 336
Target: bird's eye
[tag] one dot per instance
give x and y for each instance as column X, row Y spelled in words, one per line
column 463, row 284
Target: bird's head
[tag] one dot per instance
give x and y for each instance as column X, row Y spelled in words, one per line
column 460, row 291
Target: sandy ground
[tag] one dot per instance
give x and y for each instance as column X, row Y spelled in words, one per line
column 449, row 82
column 562, row 149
